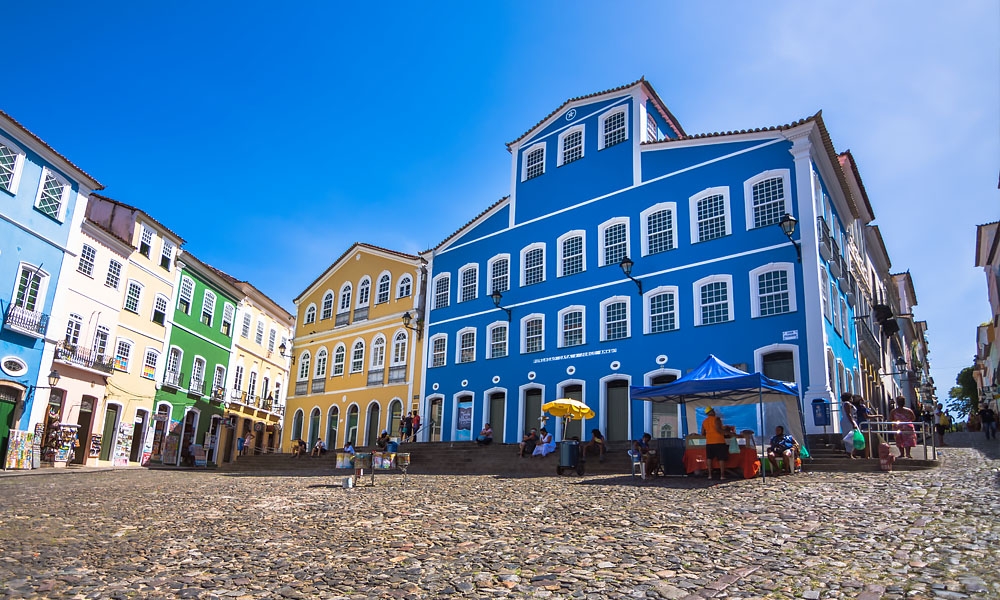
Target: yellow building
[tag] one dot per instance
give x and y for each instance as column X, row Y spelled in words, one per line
column 137, row 343
column 356, row 366
column 257, row 381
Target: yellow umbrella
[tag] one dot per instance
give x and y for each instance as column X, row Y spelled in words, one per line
column 569, row 409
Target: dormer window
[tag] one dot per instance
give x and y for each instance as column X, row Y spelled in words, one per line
column 613, row 129
column 534, row 162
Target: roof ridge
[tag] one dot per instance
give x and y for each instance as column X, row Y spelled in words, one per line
column 99, row 186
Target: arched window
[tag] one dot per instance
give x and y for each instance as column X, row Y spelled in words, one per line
column 345, row 299
column 382, row 294
column 327, row 306
column 614, row 241
column 364, row 291
column 442, row 290
column 405, row 287
column 304, row 363
column 297, row 424
column 499, row 268
column 321, row 363
column 399, row 349
column 310, row 314
column 358, row 357
column 378, row 352
column 339, row 356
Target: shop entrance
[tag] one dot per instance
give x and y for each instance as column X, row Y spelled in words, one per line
column 110, row 431
column 187, row 437
column 617, row 397
column 139, row 435
column 436, row 420
column 498, row 411
column 160, row 431
column 85, row 420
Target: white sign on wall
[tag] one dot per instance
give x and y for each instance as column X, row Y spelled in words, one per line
column 790, row 335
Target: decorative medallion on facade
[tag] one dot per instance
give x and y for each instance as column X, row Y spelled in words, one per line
column 661, row 359
column 13, row 366
column 496, row 379
column 571, row 114
column 615, row 365
column 570, row 370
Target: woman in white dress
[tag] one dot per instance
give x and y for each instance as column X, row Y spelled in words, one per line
column 545, row 444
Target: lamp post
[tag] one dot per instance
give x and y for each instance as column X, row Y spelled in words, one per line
column 496, row 296
column 281, row 351
column 626, row 264
column 408, row 318
column 787, row 224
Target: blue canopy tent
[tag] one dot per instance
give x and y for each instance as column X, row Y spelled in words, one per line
column 715, row 383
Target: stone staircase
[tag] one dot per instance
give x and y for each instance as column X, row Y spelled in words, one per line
column 827, row 455
column 468, row 458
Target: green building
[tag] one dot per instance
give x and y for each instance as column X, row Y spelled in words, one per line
column 189, row 401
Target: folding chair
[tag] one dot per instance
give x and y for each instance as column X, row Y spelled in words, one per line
column 637, row 465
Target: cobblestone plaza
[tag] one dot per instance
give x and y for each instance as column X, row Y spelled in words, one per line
column 135, row 533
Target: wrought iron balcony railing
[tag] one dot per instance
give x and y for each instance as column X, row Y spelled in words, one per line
column 84, row 357
column 173, row 379
column 196, row 387
column 28, row 322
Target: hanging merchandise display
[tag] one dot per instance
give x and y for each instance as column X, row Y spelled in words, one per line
column 123, row 445
column 19, row 449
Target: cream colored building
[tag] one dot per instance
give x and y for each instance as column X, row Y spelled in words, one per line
column 357, row 367
column 123, row 420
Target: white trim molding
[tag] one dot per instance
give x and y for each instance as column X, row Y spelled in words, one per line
column 693, row 211
column 671, row 207
column 728, row 280
column 785, row 176
column 789, row 270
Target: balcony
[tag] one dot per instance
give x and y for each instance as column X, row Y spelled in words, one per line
column 825, row 247
column 252, row 400
column 219, row 395
column 196, row 387
column 84, row 358
column 27, row 322
column 301, row 388
column 836, row 262
column 852, row 289
column 173, row 379
column 376, row 376
column 397, row 374
column 318, row 386
column 867, row 342
column 343, row 318
column 360, row 314
column 236, row 395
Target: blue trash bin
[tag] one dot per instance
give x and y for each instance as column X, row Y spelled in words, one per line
column 392, row 447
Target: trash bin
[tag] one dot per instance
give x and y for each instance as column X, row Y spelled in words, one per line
column 569, row 457
column 671, row 451
column 392, row 447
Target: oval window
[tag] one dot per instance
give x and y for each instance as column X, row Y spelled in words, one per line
column 13, row 366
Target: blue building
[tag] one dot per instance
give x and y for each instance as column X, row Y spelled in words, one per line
column 627, row 252
column 42, row 198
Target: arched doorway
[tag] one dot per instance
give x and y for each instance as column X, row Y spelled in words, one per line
column 297, row 426
column 85, row 420
column 10, row 396
column 160, row 430
column 188, row 436
column 665, row 421
column 352, row 424
column 497, row 412
column 138, row 435
column 313, row 428
column 616, row 395
column 332, row 421
column 437, row 405
column 395, row 416
column 374, row 415
column 575, row 428
column 532, row 409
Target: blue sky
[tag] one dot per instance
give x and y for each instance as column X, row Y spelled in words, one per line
column 271, row 137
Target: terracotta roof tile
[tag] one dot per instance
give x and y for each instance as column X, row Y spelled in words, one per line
column 135, row 208
column 97, row 185
column 846, row 156
column 642, row 80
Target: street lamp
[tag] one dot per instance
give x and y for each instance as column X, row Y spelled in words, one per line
column 281, row 351
column 496, row 296
column 408, row 318
column 787, row 224
column 626, row 264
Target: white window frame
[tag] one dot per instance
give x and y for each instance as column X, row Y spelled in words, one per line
column 210, row 306
column 728, row 280
column 431, row 353
column 458, row 345
column 789, row 270
column 160, row 299
column 63, row 200
column 328, row 295
column 409, row 286
column 835, row 306
column 491, row 265
column 602, row 121
column 387, row 278
column 364, row 292
column 272, row 337
column 43, row 284
column 524, row 160
column 583, row 325
column 824, row 292
column 490, row 330
column 602, row 229
column 73, row 327
column 647, row 308
column 245, row 328
column 188, row 284
column 143, row 230
column 343, row 299
column 434, row 290
column 166, row 252
column 310, row 312
column 400, row 344
column 128, row 359
column 85, row 265
column 693, row 211
column 219, row 379
column 844, row 320
column 474, row 267
column 319, row 369
column 145, row 362
column 784, row 175
column 561, row 158
column 524, row 332
column 116, row 275
column 628, row 317
column 258, row 336
column 138, row 298
column 342, row 364
column 560, row 257
column 524, row 253
column 305, row 366
column 19, row 157
column 359, row 361
column 644, row 225
column 228, row 316
column 377, row 359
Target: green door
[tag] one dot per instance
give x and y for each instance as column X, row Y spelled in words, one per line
column 9, row 397
column 110, row 428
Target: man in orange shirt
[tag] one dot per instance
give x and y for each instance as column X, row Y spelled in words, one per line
column 716, row 450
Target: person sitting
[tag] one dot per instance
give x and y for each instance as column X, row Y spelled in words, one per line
column 485, row 436
column 299, row 448
column 528, row 443
column 545, row 444
column 647, row 455
column 596, row 441
column 319, row 448
column 383, row 440
column 349, row 447
column 781, row 446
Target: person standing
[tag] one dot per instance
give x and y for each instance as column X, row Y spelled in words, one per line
column 415, row 427
column 716, row 450
column 248, row 443
column 941, row 422
column 902, row 419
column 406, row 428
column 988, row 418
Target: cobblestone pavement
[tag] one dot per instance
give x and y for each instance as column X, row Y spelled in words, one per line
column 176, row 534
